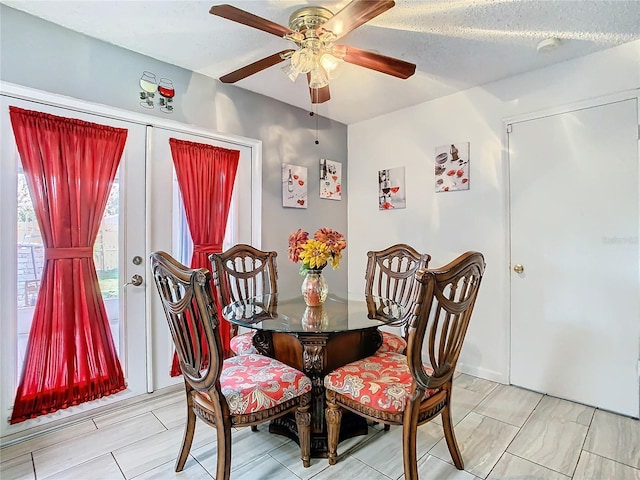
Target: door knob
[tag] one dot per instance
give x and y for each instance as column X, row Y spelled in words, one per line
column 518, row 268
column 136, row 281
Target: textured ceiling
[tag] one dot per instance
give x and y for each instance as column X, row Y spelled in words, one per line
column 455, row 44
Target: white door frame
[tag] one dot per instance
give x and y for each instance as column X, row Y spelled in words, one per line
column 506, row 122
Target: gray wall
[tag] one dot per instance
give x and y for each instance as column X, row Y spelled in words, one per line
column 41, row 55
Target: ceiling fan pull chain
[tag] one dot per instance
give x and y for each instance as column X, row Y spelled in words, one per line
column 317, row 141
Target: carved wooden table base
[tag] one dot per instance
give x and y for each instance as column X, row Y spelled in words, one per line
column 316, row 354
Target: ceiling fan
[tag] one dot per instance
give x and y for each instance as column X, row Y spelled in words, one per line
column 314, row 31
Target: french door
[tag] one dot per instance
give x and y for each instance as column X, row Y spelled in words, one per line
column 119, row 255
column 575, row 256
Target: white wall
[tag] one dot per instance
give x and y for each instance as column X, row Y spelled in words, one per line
column 447, row 224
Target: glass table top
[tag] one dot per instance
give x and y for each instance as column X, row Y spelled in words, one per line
column 269, row 313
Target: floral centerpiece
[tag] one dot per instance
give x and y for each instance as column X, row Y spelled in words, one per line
column 314, row 254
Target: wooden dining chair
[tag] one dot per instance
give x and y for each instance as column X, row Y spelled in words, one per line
column 390, row 273
column 410, row 390
column 237, row 392
column 241, row 272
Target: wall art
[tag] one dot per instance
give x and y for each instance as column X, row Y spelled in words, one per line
column 452, row 167
column 391, row 189
column 330, row 179
column 149, row 85
column 294, row 186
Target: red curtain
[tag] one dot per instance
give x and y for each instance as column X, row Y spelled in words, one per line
column 206, row 175
column 69, row 166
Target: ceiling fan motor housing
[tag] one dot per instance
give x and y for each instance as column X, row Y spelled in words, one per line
column 307, row 19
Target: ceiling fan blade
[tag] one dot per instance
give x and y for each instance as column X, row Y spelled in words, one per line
column 236, row 15
column 254, row 67
column 381, row 63
column 353, row 15
column 319, row 95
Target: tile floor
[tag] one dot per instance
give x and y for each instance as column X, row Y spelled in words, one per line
column 504, row 432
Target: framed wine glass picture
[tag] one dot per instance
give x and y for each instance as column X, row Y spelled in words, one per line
column 330, row 179
column 391, row 189
column 294, row 186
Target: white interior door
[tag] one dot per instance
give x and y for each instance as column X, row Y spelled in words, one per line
column 120, row 240
column 574, row 206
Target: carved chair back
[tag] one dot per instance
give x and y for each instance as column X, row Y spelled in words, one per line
column 444, row 304
column 391, row 272
column 193, row 321
column 242, row 272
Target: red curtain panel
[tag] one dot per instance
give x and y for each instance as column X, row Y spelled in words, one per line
column 206, row 175
column 69, row 165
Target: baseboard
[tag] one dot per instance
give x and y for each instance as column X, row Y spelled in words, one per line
column 475, row 371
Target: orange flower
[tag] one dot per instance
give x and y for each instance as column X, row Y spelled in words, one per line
column 296, row 240
column 332, row 239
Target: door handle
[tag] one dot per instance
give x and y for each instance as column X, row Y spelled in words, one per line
column 518, row 268
column 136, row 281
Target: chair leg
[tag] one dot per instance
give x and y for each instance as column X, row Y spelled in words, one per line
column 254, row 428
column 409, row 433
column 449, row 435
column 333, row 416
column 303, row 422
column 189, row 430
column 387, row 427
column 223, row 436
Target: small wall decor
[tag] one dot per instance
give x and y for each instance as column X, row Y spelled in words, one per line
column 330, row 179
column 294, row 186
column 150, row 86
column 391, row 189
column 452, row 167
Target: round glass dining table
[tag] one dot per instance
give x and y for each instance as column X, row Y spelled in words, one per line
column 316, row 340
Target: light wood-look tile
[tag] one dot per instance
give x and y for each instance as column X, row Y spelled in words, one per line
column 47, row 439
column 174, row 414
column 552, row 407
column 615, row 437
column 100, row 468
column 481, row 440
column 139, row 408
column 384, row 452
column 264, row 468
column 288, row 455
column 350, row 468
column 192, row 471
column 509, row 404
column 554, row 443
column 432, row 468
column 511, row 467
column 462, row 402
column 475, row 384
column 135, row 440
column 74, row 451
column 148, row 453
column 592, row 466
column 17, row 468
column 246, row 446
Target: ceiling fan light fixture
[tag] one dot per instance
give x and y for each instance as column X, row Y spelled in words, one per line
column 329, row 62
column 291, row 72
column 318, row 78
column 303, row 60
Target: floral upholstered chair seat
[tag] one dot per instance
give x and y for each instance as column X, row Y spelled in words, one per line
column 382, row 381
column 392, row 343
column 251, row 383
column 242, row 344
